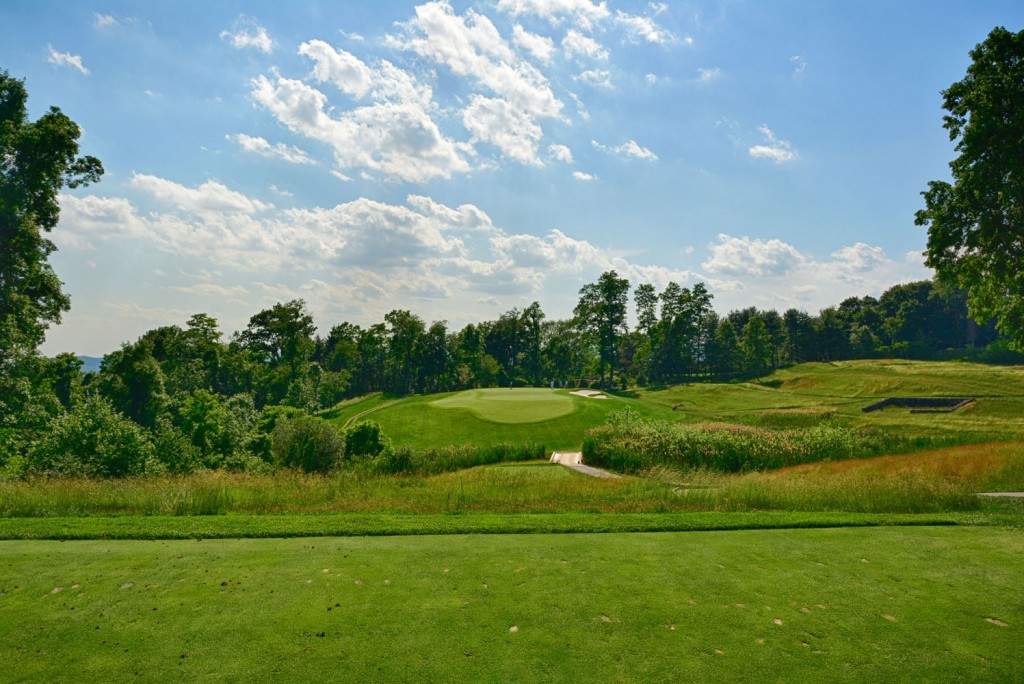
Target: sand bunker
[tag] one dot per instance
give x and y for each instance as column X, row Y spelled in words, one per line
column 589, row 394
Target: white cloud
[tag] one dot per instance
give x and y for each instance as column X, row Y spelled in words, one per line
column 644, row 28
column 398, row 139
column 260, row 146
column 747, row 257
column 212, row 197
column 248, row 34
column 471, row 46
column 775, row 150
column 541, row 47
column 583, row 13
column 362, row 255
column 630, row 148
column 341, row 68
column 860, row 257
column 560, row 153
column 651, row 78
column 582, row 176
column 67, row 59
column 708, row 75
column 774, row 274
column 596, row 78
column 498, row 122
column 102, row 21
column 799, row 66
column 576, row 44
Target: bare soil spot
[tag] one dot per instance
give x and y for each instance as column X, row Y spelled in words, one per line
column 996, row 621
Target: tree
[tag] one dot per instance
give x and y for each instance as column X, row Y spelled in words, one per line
column 975, row 223
column 757, row 346
column 37, row 159
column 601, row 312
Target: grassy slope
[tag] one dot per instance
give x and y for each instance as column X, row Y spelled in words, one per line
column 936, row 604
column 842, row 389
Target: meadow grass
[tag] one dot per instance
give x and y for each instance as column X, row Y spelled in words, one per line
column 926, row 482
column 880, row 604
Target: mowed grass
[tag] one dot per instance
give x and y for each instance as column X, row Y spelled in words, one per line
column 512, row 405
column 880, row 604
column 554, row 418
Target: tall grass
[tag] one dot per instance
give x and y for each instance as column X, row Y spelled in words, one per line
column 630, row 444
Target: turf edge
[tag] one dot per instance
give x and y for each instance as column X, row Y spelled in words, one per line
column 240, row 526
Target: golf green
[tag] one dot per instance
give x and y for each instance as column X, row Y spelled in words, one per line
column 512, row 405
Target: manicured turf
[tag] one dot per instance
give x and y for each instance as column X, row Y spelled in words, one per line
column 553, row 418
column 881, row 604
column 512, row 405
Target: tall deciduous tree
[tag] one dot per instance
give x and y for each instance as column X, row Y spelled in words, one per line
column 37, row 159
column 976, row 223
column 601, row 312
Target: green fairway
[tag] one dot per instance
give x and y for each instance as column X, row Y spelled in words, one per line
column 881, row 604
column 554, row 418
column 512, row 405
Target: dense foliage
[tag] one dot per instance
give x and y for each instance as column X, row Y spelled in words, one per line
column 975, row 222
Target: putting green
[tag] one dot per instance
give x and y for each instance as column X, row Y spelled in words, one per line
column 511, row 405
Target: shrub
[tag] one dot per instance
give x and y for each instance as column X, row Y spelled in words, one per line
column 94, row 440
column 307, row 443
column 174, row 449
column 365, row 439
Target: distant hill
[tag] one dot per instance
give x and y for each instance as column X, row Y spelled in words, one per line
column 90, row 364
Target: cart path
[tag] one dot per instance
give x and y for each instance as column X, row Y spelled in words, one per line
column 574, row 460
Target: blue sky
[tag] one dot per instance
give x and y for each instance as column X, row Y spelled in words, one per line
column 459, row 159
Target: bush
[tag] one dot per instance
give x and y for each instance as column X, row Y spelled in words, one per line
column 365, row 439
column 307, row 443
column 94, row 440
column 174, row 449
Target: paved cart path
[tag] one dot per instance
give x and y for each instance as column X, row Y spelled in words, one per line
column 574, row 460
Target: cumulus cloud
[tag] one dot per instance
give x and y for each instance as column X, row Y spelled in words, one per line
column 541, row 47
column 66, row 59
column 497, row 121
column 260, row 146
column 575, row 44
column 396, row 138
column 630, row 148
column 644, row 28
column 596, row 78
column 471, row 46
column 375, row 254
column 751, row 257
column 774, row 274
column 799, row 66
column 582, row 13
column 248, row 34
column 582, row 176
column 560, row 153
column 773, row 149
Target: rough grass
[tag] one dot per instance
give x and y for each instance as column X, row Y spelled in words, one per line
column 929, row 604
column 926, row 482
column 836, row 392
